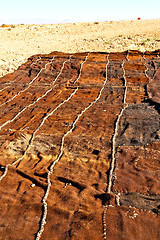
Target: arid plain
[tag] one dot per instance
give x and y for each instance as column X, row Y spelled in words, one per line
column 18, row 42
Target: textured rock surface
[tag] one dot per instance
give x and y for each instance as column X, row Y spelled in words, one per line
column 139, row 125
column 154, row 87
column 66, row 121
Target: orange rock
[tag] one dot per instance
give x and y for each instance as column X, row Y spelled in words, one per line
column 59, row 115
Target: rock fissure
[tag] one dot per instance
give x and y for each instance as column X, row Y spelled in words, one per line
column 41, row 124
column 14, row 81
column 60, row 147
column 114, row 151
column 4, row 88
column 81, row 69
column 29, row 84
column 114, row 147
column 38, row 59
column 44, row 214
column 121, row 198
column 39, row 98
column 127, row 55
column 125, row 198
column 144, row 56
column 34, row 133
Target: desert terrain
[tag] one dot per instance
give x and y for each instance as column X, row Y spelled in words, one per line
column 19, row 42
column 80, row 131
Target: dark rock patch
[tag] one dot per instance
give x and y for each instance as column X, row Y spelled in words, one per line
column 139, row 125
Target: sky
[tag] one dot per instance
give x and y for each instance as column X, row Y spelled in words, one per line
column 61, row 11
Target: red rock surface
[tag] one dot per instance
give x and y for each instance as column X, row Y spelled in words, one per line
column 154, row 87
column 73, row 127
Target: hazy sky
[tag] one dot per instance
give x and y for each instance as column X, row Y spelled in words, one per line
column 34, row 11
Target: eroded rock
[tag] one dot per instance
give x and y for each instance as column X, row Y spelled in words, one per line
column 139, row 125
column 153, row 87
column 57, row 122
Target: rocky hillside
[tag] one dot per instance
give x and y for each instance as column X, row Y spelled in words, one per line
column 80, row 147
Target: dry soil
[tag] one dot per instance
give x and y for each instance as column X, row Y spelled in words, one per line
column 18, row 42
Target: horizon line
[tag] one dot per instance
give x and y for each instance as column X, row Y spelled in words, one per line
column 26, row 21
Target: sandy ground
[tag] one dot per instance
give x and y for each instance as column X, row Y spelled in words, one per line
column 18, row 42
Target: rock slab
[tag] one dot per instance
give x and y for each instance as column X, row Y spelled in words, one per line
column 62, row 117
